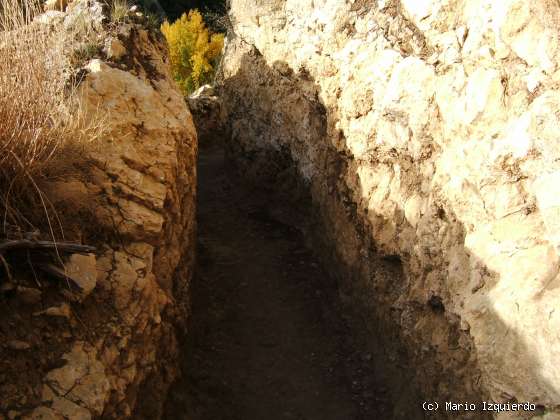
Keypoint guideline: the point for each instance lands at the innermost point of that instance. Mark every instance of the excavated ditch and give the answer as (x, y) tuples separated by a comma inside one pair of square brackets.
[(268, 336)]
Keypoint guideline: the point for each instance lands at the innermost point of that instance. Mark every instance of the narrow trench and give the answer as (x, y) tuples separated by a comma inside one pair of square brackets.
[(266, 339)]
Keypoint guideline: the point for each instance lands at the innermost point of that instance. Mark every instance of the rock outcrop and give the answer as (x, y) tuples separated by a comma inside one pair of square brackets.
[(134, 199), (426, 132), (207, 114)]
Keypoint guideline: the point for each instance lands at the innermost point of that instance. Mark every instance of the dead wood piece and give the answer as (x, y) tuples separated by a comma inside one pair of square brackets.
[(61, 274), (67, 247)]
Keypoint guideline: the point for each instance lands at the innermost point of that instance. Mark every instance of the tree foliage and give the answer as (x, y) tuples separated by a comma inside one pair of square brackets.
[(194, 51)]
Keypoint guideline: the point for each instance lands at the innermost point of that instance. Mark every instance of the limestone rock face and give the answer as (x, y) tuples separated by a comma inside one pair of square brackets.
[(134, 199), (207, 114), (426, 130)]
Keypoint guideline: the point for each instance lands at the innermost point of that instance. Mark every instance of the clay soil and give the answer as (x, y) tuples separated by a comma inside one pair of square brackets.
[(266, 339)]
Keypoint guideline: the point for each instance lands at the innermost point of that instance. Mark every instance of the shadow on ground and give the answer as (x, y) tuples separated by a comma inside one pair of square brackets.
[(266, 338)]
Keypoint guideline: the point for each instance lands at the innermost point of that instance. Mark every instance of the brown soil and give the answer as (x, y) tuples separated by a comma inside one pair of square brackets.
[(32, 343), (266, 339)]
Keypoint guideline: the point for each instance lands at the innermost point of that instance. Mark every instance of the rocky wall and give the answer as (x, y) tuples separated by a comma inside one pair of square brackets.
[(112, 351), (426, 133)]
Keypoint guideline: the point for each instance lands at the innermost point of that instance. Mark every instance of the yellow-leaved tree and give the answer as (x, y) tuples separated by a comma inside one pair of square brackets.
[(194, 51)]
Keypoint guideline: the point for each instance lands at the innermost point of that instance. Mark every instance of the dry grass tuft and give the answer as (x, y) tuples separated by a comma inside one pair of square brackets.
[(40, 124), (16, 14), (119, 10)]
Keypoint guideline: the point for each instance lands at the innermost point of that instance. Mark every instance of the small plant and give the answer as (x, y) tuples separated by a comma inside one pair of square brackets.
[(194, 51), (81, 27), (119, 10), (153, 21), (85, 52)]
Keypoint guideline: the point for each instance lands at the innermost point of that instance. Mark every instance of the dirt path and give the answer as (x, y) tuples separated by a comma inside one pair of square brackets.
[(266, 339)]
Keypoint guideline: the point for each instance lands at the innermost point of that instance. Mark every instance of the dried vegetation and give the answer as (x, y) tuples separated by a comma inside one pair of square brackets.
[(42, 129)]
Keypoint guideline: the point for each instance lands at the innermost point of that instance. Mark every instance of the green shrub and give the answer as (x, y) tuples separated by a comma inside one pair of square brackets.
[(153, 21)]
